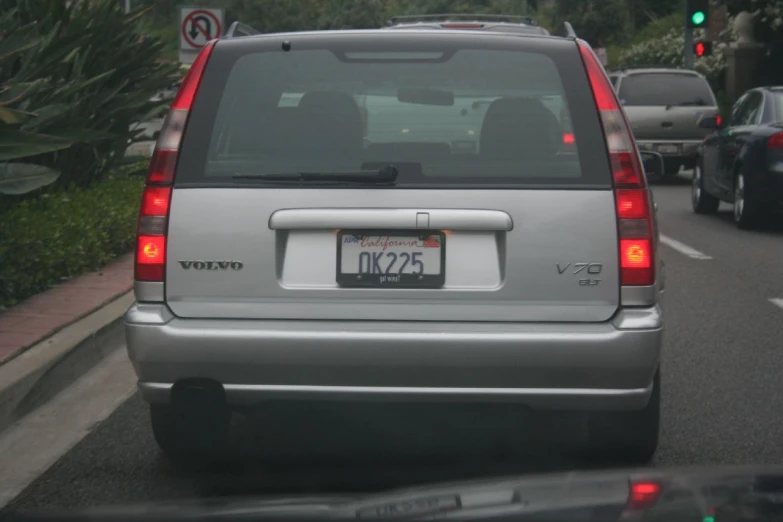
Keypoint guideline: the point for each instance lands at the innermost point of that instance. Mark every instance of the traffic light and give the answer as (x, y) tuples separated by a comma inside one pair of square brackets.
[(698, 13), (702, 48)]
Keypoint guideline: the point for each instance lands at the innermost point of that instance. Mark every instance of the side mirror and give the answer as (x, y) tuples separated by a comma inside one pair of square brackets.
[(710, 122), (652, 162)]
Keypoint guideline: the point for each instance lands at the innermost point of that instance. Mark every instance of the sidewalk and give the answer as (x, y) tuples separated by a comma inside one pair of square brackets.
[(40, 316)]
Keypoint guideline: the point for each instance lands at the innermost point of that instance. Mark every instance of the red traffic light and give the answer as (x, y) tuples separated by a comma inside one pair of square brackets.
[(702, 49)]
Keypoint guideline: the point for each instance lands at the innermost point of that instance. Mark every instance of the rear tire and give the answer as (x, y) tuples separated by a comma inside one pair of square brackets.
[(747, 213), (185, 433), (630, 437), (703, 202)]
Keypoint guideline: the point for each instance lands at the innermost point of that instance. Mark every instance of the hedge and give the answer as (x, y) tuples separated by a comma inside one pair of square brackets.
[(61, 235)]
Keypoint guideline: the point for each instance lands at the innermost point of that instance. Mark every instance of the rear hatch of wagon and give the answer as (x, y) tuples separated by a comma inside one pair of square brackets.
[(502, 209)]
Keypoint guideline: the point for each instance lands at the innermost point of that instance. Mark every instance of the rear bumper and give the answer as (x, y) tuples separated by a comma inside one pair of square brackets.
[(688, 149), (566, 366)]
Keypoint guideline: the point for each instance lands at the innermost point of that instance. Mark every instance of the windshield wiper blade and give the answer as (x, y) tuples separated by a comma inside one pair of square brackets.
[(386, 174)]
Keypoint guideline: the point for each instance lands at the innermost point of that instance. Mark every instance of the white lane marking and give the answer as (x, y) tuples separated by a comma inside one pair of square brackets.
[(682, 248), (778, 301), (35, 442)]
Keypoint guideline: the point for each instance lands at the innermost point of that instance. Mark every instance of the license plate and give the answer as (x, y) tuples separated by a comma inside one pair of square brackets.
[(668, 149), (391, 260), (413, 507)]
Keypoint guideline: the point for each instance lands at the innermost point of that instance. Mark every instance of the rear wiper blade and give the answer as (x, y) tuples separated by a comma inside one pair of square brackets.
[(386, 174), (698, 102)]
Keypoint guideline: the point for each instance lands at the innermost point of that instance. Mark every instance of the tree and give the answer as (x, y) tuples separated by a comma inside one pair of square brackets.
[(352, 14), (600, 22), (643, 12)]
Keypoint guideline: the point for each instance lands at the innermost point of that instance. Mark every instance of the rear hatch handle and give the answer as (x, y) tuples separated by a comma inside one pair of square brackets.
[(390, 219)]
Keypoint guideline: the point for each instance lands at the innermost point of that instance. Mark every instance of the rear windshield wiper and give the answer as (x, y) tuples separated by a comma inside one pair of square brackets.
[(386, 174), (698, 102)]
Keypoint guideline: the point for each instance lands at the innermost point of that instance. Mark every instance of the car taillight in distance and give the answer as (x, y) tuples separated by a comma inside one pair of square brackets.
[(150, 261), (635, 227), (643, 495)]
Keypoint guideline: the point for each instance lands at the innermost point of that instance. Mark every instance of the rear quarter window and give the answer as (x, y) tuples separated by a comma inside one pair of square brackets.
[(445, 111)]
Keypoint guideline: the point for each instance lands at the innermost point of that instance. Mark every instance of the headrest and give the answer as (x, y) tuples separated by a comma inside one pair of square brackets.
[(519, 129), (334, 121)]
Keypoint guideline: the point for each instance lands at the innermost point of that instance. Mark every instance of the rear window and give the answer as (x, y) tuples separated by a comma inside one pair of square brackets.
[(441, 116), (665, 89)]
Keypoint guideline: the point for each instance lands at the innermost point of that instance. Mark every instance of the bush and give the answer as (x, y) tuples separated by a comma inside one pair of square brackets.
[(668, 52), (72, 81), (61, 235)]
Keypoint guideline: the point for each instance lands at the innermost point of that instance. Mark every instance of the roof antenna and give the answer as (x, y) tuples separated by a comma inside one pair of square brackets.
[(570, 30)]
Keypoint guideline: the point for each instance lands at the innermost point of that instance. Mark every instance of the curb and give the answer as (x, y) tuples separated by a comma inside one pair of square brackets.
[(33, 377)]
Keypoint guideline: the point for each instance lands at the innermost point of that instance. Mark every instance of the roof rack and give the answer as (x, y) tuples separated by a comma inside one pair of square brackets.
[(462, 16), (570, 33), (238, 30)]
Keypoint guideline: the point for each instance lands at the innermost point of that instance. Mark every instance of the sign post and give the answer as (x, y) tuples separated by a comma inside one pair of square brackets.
[(197, 26), (600, 52)]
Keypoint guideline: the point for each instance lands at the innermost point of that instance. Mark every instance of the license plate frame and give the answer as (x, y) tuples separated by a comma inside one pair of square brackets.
[(410, 281), (668, 148)]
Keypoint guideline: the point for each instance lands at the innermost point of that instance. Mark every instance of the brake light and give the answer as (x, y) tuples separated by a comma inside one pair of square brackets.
[(775, 142), (568, 138), (635, 226), (631, 204), (156, 199), (462, 26), (718, 120), (644, 494)]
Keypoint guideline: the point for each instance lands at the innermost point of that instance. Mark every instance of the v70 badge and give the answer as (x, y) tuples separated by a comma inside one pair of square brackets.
[(584, 269)]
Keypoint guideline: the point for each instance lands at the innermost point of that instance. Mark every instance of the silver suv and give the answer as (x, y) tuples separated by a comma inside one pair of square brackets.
[(664, 107), (404, 215)]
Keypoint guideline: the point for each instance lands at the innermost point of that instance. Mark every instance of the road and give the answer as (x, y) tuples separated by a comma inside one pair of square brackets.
[(722, 400)]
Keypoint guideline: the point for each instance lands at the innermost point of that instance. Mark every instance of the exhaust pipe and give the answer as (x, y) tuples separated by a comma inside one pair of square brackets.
[(198, 394)]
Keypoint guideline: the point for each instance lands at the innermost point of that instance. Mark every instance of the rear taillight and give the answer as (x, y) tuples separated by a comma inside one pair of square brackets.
[(635, 227), (643, 495), (156, 199), (775, 141)]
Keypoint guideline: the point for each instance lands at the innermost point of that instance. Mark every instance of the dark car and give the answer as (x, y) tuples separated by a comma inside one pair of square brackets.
[(483, 22), (741, 162)]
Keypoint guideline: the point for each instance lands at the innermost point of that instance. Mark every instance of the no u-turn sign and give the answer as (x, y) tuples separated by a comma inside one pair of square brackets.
[(197, 26)]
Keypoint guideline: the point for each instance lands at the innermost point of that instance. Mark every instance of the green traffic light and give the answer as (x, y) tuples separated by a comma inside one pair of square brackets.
[(698, 18)]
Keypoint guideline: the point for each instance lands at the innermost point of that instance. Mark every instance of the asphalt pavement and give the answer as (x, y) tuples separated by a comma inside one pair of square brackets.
[(722, 398)]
